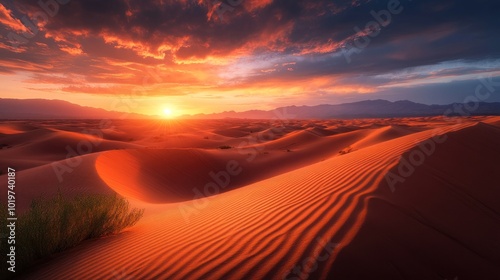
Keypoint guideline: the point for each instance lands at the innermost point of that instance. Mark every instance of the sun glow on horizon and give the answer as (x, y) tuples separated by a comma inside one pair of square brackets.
[(167, 113)]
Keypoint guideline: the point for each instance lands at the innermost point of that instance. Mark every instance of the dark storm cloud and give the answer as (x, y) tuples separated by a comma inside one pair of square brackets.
[(424, 33), (468, 27), (316, 33)]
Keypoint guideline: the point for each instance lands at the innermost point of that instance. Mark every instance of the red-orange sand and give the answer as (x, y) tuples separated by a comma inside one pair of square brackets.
[(289, 205)]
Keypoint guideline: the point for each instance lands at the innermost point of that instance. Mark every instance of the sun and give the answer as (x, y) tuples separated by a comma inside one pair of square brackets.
[(167, 113)]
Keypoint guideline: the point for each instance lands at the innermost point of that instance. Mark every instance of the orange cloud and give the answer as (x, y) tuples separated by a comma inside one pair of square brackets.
[(8, 20), (73, 51), (95, 89), (252, 5)]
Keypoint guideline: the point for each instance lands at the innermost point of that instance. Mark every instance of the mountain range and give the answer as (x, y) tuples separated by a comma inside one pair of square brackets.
[(58, 109), (363, 109), (14, 109)]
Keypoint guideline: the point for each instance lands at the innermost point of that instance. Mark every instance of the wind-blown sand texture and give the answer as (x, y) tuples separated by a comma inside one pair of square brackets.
[(311, 199)]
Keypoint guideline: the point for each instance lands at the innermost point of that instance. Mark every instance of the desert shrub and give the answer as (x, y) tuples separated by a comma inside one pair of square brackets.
[(54, 224), (225, 147)]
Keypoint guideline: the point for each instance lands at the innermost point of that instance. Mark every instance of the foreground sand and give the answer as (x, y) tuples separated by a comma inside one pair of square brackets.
[(296, 209)]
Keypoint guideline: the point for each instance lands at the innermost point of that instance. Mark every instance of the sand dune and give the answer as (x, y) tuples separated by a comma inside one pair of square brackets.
[(165, 175), (80, 178), (162, 176), (334, 216), (45, 145), (15, 128), (383, 134), (435, 224), (39, 147)]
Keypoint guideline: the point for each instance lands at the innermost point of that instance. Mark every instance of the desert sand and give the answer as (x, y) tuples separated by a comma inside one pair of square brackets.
[(414, 198)]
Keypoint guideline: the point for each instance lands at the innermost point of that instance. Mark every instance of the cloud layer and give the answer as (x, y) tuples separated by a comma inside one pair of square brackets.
[(277, 50)]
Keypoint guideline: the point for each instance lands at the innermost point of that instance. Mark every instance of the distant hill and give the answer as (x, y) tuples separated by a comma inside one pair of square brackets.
[(58, 109), (55, 109), (363, 109)]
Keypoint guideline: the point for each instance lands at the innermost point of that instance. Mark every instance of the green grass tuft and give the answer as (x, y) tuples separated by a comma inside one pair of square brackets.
[(54, 224)]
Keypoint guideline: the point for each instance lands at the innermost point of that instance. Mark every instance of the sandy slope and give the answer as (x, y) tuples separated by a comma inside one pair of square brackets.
[(169, 175), (40, 146), (38, 151), (15, 128), (81, 177), (442, 222), (339, 212)]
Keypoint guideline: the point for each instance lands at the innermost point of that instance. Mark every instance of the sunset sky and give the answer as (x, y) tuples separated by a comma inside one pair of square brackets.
[(209, 56)]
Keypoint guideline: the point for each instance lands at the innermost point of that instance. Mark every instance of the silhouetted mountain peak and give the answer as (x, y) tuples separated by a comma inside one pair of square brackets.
[(361, 109), (55, 109)]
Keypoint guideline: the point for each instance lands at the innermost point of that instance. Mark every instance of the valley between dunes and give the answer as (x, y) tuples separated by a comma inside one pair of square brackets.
[(414, 198)]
